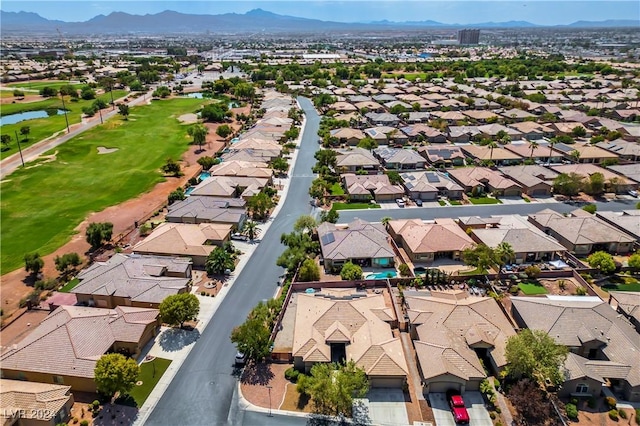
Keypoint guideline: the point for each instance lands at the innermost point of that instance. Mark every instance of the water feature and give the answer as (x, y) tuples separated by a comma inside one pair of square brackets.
[(29, 115), (196, 95), (189, 190), (234, 140), (381, 275), (233, 104)]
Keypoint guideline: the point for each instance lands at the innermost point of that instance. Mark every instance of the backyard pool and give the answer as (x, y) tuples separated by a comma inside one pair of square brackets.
[(189, 190), (381, 275), (204, 175)]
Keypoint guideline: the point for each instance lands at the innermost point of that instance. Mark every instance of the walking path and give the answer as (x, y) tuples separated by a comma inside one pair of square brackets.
[(177, 344), (502, 403)]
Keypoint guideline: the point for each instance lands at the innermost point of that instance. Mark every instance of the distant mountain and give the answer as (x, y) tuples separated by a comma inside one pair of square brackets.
[(254, 21), (610, 23)]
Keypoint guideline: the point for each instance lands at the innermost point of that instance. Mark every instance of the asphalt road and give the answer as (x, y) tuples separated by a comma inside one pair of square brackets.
[(11, 163), (426, 213), (202, 392)]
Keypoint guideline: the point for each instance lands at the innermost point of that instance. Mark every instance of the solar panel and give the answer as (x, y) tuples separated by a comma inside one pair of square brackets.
[(409, 177), (432, 177), (562, 147), (328, 238)]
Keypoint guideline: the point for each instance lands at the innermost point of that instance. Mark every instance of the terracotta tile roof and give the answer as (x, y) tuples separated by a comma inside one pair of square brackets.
[(356, 242), (40, 401), (184, 239), (441, 236), (78, 336)]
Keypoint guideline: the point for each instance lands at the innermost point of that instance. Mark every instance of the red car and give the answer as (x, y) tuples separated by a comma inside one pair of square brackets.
[(460, 414)]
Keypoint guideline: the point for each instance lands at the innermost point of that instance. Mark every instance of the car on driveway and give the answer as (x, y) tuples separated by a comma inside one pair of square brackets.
[(241, 359), (400, 202), (458, 409), (418, 202)]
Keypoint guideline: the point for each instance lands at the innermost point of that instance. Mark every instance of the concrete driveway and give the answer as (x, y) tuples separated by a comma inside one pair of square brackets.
[(478, 414), (382, 406)]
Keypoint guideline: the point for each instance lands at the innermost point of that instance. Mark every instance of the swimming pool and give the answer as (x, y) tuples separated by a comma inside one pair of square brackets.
[(204, 175), (189, 190), (381, 275)]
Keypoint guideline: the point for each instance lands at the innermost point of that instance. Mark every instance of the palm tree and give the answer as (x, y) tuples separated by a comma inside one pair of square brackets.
[(575, 155), (385, 221), (491, 146), (504, 254), (251, 230), (552, 142), (533, 145)]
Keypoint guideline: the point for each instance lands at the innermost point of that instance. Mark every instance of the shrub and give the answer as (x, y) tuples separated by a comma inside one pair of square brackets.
[(532, 271), (84, 423), (622, 414), (613, 415), (638, 416), (574, 401), (492, 414), (590, 208), (611, 402), (404, 270), (562, 284), (581, 291), (96, 404), (514, 289), (291, 374), (496, 383), (75, 420), (572, 411)]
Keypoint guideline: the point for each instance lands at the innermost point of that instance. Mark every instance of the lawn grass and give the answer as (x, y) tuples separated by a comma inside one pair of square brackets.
[(37, 85), (484, 200), (476, 271), (42, 205), (354, 206), (442, 203), (455, 203), (336, 189), (532, 288), (621, 284), (42, 128), (69, 286), (150, 374)]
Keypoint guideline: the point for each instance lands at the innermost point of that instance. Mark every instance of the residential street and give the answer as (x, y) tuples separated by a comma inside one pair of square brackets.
[(375, 215), (202, 393)]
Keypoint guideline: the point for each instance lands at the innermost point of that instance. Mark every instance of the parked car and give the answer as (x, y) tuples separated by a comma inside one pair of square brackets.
[(418, 202), (633, 193), (400, 202), (239, 237), (241, 359), (456, 403)]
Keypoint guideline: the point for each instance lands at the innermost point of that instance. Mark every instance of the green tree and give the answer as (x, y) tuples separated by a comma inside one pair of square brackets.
[(350, 272), (218, 261), (215, 113), (252, 338), (309, 271), (259, 205), (332, 387), (533, 145), (251, 230), (602, 261), (33, 263), (207, 162), (394, 177), (87, 93), (481, 256), (634, 261), (24, 131), (535, 355), (567, 184), (179, 308), (199, 134), (115, 373), (177, 195), (368, 143), (330, 216), (504, 254), (280, 165), (385, 220), (578, 132), (48, 92), (161, 92), (326, 158), (98, 233), (172, 167), (224, 131), (123, 110), (5, 140), (67, 263), (244, 91), (305, 223), (595, 185), (404, 269)]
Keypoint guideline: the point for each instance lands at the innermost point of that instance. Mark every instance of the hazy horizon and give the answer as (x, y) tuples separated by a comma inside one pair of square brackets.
[(539, 12)]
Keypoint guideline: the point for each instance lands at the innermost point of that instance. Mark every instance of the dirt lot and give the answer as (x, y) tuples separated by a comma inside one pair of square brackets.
[(255, 380)]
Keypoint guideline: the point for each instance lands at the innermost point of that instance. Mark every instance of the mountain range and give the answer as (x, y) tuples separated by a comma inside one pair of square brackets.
[(254, 21)]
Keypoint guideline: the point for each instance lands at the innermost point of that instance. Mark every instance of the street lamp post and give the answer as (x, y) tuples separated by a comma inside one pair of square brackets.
[(19, 148), (269, 388), (64, 108)]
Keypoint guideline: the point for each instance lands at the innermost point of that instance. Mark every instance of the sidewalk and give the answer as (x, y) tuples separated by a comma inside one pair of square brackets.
[(178, 346)]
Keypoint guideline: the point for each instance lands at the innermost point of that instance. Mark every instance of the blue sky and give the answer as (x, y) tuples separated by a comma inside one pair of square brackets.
[(542, 12)]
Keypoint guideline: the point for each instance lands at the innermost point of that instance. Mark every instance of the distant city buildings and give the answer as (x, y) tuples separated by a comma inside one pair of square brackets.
[(468, 36)]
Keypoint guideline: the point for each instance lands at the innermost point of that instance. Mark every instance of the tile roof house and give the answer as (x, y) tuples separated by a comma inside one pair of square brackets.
[(531, 130), (442, 156), (399, 158), (498, 155), (627, 221), (382, 119), (448, 329), (630, 171), (354, 159), (542, 153), (582, 233), (536, 181), (348, 136), (363, 243), (337, 324), (242, 168), (230, 187), (588, 153), (529, 244), (487, 180), (430, 185), (623, 149), (199, 209), (36, 404), (133, 280), (586, 170), (195, 241), (462, 134), (75, 337), (604, 341), (364, 187), (628, 304), (425, 242), (417, 132)]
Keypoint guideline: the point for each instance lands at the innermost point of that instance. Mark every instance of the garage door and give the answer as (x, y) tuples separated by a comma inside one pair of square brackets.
[(386, 382), (438, 387), (539, 192), (511, 193)]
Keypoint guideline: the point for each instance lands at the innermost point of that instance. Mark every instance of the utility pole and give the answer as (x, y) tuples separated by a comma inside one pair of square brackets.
[(64, 108), (269, 387), (19, 148), (100, 112), (113, 104)]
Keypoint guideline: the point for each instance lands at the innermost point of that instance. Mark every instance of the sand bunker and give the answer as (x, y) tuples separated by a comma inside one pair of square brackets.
[(103, 150), (188, 118)]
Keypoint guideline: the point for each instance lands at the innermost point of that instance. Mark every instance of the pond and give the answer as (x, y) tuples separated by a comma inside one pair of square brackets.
[(29, 115)]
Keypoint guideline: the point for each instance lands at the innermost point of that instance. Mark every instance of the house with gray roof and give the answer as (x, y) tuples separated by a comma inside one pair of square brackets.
[(631, 171), (624, 149), (581, 232), (367, 187), (133, 280), (443, 156), (627, 221), (603, 340), (200, 209), (399, 158), (429, 185), (65, 346), (536, 181), (628, 304), (363, 243), (353, 159), (382, 119), (449, 330)]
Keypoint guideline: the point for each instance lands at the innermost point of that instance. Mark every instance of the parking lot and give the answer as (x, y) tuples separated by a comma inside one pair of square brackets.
[(478, 414)]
